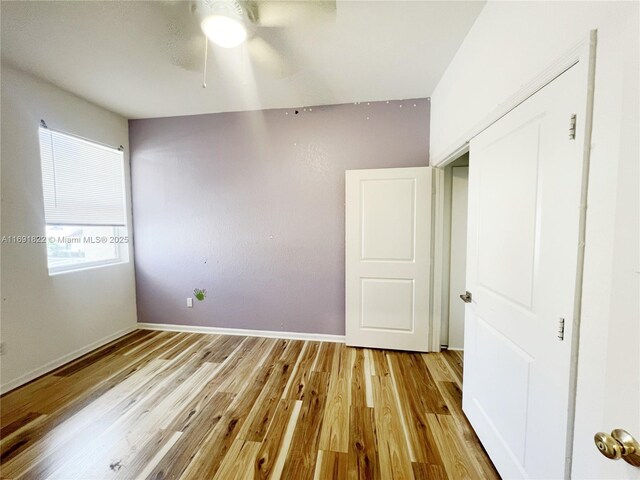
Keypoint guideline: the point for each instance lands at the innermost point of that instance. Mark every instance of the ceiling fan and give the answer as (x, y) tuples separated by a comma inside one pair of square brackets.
[(259, 24)]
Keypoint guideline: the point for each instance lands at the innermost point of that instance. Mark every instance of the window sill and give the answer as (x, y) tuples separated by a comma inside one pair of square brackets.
[(85, 266)]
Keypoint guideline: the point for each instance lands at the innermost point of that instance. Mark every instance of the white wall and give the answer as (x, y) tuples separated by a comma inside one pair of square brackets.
[(47, 320), (510, 43)]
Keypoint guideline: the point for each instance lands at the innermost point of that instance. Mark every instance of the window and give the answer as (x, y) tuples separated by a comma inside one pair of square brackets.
[(84, 202)]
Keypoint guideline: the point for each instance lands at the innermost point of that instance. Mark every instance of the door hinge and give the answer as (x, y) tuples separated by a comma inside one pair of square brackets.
[(561, 329), (572, 127)]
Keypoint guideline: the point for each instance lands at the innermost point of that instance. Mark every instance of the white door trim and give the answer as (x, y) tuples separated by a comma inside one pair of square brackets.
[(439, 269), (589, 57), (578, 53), (583, 52)]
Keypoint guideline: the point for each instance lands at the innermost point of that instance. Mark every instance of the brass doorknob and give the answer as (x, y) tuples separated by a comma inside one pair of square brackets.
[(620, 444)]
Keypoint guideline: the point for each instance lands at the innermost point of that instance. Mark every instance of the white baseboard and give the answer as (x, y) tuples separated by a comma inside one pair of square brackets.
[(455, 349), (58, 362), (322, 337)]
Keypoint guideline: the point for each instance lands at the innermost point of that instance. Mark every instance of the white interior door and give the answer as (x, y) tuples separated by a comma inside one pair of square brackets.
[(458, 262), (608, 389), (524, 198), (388, 232)]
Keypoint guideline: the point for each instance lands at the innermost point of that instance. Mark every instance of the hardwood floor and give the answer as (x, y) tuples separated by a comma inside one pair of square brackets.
[(164, 405)]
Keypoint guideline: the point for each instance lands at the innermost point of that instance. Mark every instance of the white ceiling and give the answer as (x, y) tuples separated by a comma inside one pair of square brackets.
[(122, 54)]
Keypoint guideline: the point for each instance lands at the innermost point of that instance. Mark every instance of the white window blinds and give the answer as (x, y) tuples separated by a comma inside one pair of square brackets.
[(82, 182)]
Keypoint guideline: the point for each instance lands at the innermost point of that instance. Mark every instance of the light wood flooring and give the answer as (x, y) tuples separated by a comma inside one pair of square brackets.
[(192, 406)]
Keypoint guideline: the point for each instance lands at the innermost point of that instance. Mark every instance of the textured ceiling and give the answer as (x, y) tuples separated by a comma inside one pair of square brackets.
[(144, 58)]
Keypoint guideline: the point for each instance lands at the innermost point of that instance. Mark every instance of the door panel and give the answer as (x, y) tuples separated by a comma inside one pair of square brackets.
[(388, 231), (524, 198), (505, 398), (382, 298), (505, 262), (388, 218)]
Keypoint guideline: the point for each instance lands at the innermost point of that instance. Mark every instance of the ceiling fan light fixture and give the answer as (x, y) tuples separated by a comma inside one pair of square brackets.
[(224, 31)]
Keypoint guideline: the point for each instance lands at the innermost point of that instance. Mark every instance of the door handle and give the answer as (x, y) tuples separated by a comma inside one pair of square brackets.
[(466, 298), (620, 444)]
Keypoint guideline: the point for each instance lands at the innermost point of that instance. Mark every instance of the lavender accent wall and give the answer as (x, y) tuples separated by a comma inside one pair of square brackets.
[(250, 206)]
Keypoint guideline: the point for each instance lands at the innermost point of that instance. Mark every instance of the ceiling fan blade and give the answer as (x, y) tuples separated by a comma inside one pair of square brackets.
[(287, 13), (185, 44), (188, 53), (269, 58)]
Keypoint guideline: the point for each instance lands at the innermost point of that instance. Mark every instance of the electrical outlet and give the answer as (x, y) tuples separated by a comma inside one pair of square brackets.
[(189, 302)]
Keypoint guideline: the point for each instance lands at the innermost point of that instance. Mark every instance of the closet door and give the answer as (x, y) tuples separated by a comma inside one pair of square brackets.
[(525, 177)]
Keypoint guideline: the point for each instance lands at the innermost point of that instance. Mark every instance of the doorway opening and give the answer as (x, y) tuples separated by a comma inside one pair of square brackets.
[(456, 188)]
